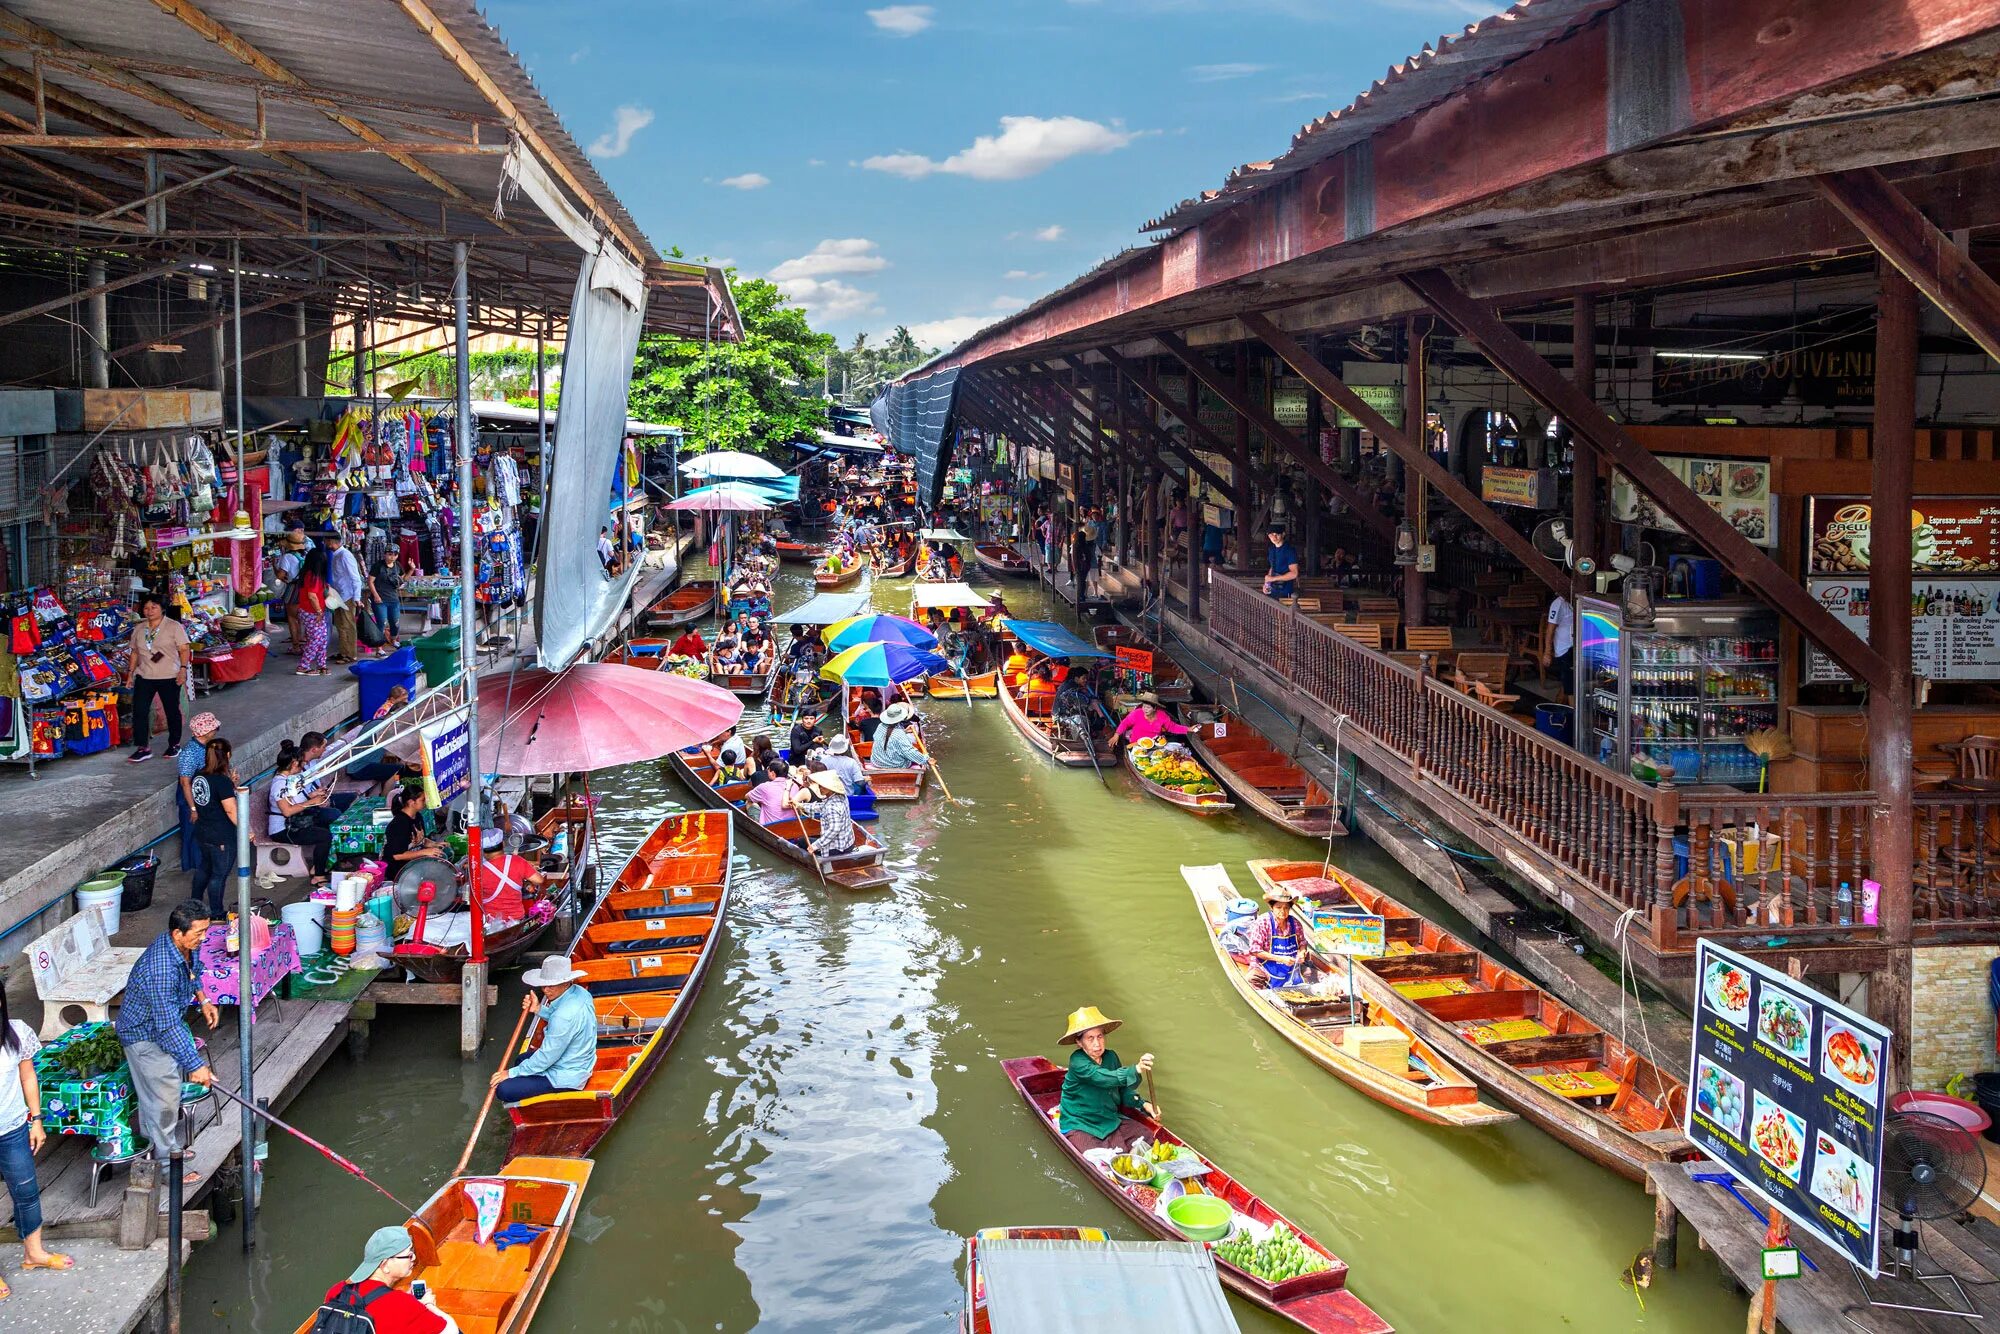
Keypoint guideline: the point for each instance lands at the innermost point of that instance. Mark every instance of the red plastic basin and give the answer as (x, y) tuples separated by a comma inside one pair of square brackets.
[(1955, 1110)]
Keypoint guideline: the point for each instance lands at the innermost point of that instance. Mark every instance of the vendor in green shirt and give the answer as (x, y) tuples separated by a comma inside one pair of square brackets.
[(1098, 1091)]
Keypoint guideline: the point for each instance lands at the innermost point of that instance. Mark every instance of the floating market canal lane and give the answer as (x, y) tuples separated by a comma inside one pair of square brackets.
[(834, 1117)]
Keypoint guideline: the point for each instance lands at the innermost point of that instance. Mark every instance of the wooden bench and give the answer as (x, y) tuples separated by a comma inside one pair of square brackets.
[(78, 973)]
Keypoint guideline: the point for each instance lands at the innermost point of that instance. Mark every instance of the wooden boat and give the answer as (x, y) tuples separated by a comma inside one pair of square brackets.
[(484, 1289), (574, 874), (801, 551), (1001, 558), (1044, 734), (745, 685), (897, 784), (644, 951), (684, 605), (1319, 1301), (1168, 681), (849, 571), (1194, 803), (860, 868), (974, 1319), (1541, 1058), (983, 685), (888, 567), (1265, 780), (1360, 1044)]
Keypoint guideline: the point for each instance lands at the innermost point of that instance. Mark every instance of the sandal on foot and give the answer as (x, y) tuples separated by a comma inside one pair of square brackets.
[(57, 1260)]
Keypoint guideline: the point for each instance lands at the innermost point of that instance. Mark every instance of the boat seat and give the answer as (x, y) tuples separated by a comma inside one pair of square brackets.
[(625, 986), (650, 934), (476, 1312), (702, 908)]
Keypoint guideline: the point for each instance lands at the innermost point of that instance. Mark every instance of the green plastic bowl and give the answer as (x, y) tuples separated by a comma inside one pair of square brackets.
[(1200, 1217)]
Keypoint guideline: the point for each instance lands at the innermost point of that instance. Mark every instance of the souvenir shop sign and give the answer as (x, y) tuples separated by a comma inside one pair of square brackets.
[(1823, 373), (1787, 1090), (1737, 489), (1948, 534), (1530, 488), (1954, 626), (448, 755)]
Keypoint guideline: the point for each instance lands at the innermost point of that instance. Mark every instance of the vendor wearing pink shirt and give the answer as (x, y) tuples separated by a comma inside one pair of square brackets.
[(767, 799), (1146, 722)]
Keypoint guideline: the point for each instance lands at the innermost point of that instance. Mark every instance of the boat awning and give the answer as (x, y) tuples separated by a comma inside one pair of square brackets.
[(825, 609), (1085, 1287), (826, 442), (943, 535), (941, 597), (1052, 640)]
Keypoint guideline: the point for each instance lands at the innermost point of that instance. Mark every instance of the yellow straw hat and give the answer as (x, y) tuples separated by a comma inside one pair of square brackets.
[(1088, 1017)]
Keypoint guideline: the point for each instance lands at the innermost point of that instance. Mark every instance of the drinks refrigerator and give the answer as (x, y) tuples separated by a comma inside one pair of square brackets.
[(1682, 693)]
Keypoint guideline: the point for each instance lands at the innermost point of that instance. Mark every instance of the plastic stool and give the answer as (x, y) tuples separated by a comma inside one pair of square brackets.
[(102, 1163), (286, 861)]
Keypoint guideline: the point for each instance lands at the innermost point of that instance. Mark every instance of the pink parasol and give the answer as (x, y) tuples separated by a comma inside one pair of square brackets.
[(593, 716), (723, 498)]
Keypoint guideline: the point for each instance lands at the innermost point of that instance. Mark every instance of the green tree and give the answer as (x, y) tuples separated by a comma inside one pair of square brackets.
[(758, 394), (902, 349)]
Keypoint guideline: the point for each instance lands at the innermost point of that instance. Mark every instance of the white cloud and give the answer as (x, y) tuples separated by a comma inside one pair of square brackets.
[(1052, 232), (578, 54), (815, 162), (749, 180), (855, 254), (1007, 303), (948, 333), (1022, 275), (1026, 146), (1303, 97), (830, 299), (902, 20), (626, 122), (1234, 69)]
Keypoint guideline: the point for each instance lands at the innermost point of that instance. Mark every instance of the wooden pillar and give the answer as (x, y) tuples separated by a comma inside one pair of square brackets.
[(1583, 470), (1248, 553), (1890, 705), (1307, 520), (1416, 498), (472, 1007)]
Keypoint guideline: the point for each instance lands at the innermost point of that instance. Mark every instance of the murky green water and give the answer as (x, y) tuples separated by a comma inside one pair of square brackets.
[(833, 1119)]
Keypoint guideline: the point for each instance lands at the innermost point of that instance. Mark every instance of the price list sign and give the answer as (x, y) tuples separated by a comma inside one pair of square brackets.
[(1787, 1091)]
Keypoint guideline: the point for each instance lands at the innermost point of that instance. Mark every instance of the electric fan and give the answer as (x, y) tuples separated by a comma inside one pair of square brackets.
[(1931, 1168)]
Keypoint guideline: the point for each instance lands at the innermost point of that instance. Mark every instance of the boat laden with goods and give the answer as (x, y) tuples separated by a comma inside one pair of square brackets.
[(684, 605), (1061, 1280), (1003, 559), (1359, 1044), (1264, 779), (1532, 1052), (859, 868), (644, 950), (1165, 769), (489, 1275), (1262, 1256)]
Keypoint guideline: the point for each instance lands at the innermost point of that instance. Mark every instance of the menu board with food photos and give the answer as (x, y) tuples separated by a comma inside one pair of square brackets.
[(1737, 489), (1948, 535), (1787, 1093)]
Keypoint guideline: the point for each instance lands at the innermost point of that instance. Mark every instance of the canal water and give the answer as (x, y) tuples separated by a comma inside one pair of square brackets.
[(833, 1120)]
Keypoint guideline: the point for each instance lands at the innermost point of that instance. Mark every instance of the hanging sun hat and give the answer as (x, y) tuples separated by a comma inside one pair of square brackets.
[(1089, 1017), (204, 725), (899, 712), (554, 969), (384, 1243), (840, 745)]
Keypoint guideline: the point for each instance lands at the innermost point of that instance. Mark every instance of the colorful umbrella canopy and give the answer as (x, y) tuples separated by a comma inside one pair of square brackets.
[(592, 716), (724, 498), (883, 665), (880, 628), (731, 463)]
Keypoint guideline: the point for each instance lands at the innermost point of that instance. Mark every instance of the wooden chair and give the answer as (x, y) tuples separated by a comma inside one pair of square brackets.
[(1432, 639), (1488, 667), (1979, 757), (1365, 633), (1414, 661), (1308, 605), (1521, 595), (1368, 604)]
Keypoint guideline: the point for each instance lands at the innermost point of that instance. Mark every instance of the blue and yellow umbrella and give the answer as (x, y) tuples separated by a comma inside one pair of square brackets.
[(882, 665), (877, 628)]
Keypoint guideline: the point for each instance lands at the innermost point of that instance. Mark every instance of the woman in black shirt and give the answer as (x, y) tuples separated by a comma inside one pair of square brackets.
[(214, 793), (407, 839)]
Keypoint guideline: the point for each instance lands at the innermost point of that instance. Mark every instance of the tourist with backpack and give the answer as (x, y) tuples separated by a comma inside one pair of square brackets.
[(372, 1300)]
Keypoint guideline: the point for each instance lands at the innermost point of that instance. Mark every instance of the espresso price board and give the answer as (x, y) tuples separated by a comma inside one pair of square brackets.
[(1787, 1091)]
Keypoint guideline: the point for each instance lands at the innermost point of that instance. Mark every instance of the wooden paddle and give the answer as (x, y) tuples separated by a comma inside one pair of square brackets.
[(484, 1107), (936, 772)]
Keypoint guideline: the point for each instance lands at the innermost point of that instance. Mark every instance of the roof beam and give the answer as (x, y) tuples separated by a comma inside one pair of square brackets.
[(1921, 253), (1142, 379), (95, 143), (1579, 411), (1315, 373), (100, 289)]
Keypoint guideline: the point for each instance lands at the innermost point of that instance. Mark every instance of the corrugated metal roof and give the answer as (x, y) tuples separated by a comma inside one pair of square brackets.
[(1426, 78)]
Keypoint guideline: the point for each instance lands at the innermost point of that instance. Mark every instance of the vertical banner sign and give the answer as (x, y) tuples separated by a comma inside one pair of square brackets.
[(1788, 1095), (448, 754)]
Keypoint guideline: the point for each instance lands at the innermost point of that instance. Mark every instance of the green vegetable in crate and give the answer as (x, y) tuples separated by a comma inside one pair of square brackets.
[(97, 1053)]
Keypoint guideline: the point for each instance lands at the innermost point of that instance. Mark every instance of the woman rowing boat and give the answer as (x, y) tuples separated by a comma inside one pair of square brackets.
[(1277, 941), (1098, 1090)]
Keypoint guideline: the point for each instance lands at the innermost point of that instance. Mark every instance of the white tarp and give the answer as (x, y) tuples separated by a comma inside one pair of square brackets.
[(613, 270), (1102, 1287), (824, 609), (930, 596)]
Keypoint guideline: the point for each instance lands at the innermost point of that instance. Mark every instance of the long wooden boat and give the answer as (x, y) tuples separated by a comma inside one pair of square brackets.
[(1003, 559), (644, 951), (801, 551), (484, 1289), (983, 685), (897, 784), (849, 571), (1537, 1055), (1264, 779), (1044, 735), (745, 685), (506, 945), (888, 567), (1319, 1301), (859, 868), (1360, 1044), (1169, 682), (684, 605), (1194, 803)]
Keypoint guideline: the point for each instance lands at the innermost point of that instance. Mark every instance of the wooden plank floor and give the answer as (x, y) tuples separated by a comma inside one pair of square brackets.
[(291, 1043)]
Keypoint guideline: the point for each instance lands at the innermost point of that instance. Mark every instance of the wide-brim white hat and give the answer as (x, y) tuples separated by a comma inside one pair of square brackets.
[(555, 969)]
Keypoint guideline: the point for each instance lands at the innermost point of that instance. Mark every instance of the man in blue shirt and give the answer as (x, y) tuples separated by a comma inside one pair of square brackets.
[(1282, 565), (568, 1050), (152, 1025)]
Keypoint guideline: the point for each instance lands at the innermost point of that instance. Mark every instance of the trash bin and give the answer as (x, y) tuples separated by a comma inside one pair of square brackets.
[(1555, 720), (438, 654), (137, 892), (378, 676)]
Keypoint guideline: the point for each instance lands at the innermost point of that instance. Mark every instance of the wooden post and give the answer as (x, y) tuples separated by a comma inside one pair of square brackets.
[(1415, 493), (139, 1212), (472, 1007), (1246, 521), (1890, 703), (1583, 464), (1666, 1230)]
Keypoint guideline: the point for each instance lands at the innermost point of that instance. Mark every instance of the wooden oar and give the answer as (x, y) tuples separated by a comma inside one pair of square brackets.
[(487, 1106), (936, 772)]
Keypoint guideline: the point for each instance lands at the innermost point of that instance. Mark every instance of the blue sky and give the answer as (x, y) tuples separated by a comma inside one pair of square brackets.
[(939, 164)]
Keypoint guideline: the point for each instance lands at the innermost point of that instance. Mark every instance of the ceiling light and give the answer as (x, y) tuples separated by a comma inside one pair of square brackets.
[(1709, 356)]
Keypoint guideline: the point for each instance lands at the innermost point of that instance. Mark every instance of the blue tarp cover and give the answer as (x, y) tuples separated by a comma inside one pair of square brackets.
[(916, 415), (1102, 1287), (1051, 640)]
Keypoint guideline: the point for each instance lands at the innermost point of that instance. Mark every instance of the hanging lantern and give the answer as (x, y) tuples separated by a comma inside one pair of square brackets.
[(1638, 599), (1406, 543)]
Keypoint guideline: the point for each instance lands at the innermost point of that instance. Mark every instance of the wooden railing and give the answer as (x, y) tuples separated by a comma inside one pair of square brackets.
[(1690, 863)]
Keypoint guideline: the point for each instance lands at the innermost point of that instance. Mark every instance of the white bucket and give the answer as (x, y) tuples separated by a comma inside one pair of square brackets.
[(347, 892), (104, 902), (308, 923)]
